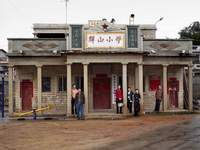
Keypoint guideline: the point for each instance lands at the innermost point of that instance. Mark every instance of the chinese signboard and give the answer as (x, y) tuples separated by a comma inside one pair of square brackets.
[(105, 40), (114, 86)]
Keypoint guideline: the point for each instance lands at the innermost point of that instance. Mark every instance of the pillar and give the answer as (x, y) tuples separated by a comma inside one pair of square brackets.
[(136, 78), (165, 87), (140, 86), (18, 100), (190, 88), (124, 86), (85, 78), (180, 93), (39, 86), (10, 79), (69, 87)]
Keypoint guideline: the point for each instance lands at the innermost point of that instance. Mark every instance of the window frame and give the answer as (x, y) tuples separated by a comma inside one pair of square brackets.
[(43, 87), (138, 37), (64, 83)]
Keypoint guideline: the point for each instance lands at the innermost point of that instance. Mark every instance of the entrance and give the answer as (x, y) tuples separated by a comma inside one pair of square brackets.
[(173, 88), (26, 94), (101, 92)]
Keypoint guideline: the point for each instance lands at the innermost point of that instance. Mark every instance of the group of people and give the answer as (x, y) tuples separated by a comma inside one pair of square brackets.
[(132, 97), (78, 101)]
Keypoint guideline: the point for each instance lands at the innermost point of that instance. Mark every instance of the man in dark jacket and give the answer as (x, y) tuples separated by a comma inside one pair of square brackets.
[(80, 101), (158, 95), (129, 99), (137, 98)]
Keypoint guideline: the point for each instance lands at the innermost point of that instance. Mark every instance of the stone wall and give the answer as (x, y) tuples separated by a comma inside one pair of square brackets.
[(149, 96), (57, 99), (53, 97)]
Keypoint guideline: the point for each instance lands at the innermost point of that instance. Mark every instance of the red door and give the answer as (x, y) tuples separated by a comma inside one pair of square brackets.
[(173, 88), (101, 93), (26, 94)]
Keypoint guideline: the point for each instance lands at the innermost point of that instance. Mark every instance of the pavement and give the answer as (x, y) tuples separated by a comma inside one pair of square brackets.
[(182, 136)]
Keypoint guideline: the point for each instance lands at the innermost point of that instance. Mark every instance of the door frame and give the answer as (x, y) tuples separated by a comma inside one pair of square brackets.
[(25, 81), (101, 76)]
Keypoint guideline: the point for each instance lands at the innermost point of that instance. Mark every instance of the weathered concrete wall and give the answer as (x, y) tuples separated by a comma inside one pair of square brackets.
[(57, 99), (149, 96), (172, 45), (36, 45), (53, 97)]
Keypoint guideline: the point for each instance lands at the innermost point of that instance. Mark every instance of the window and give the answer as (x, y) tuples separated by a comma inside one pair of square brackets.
[(154, 82), (46, 84), (132, 37), (76, 36), (62, 83)]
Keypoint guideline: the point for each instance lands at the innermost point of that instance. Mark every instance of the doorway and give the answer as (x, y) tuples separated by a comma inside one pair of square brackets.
[(102, 92), (26, 94), (173, 88)]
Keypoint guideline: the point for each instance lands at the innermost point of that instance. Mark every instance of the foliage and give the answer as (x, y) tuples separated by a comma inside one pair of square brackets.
[(191, 32)]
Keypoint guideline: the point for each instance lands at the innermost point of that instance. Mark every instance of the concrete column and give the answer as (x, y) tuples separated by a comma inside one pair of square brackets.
[(140, 86), (136, 78), (190, 88), (18, 101), (39, 86), (85, 78), (165, 87), (69, 87), (180, 93), (10, 79), (124, 86)]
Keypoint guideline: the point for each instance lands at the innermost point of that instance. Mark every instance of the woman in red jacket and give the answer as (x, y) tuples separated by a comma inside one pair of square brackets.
[(119, 99)]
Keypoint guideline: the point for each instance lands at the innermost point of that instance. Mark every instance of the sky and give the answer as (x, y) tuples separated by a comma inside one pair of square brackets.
[(17, 16)]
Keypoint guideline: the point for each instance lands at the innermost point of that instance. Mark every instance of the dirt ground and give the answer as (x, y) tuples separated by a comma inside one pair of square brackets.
[(78, 135)]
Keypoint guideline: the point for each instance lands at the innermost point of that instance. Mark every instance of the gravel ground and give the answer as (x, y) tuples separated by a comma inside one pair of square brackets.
[(87, 134)]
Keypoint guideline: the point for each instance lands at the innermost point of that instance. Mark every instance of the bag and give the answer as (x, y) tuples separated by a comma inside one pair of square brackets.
[(120, 104)]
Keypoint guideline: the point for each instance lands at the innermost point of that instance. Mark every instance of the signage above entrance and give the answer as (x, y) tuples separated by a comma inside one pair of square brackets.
[(105, 40)]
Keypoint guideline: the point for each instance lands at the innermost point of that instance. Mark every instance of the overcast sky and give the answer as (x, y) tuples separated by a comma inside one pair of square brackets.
[(17, 16)]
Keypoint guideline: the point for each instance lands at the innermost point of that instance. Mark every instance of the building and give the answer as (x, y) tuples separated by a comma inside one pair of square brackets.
[(196, 77), (97, 57), (3, 78)]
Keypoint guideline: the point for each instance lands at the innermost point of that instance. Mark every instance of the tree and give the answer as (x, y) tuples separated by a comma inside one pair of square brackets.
[(191, 32)]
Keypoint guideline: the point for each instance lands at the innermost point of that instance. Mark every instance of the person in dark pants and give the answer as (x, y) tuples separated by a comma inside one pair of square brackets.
[(137, 98), (159, 96), (74, 92), (129, 99), (80, 101), (119, 99)]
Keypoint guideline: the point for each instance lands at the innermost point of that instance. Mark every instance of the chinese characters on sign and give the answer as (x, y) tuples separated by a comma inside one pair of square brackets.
[(114, 86), (105, 40)]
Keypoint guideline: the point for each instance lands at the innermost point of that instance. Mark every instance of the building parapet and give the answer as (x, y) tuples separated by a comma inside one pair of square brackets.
[(178, 46), (35, 44)]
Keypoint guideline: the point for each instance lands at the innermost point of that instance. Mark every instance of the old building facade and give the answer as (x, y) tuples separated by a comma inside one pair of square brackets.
[(97, 57)]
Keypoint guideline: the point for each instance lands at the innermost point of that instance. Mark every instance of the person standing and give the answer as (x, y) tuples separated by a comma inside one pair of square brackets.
[(129, 99), (74, 92), (80, 101), (119, 99), (159, 96), (137, 98)]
